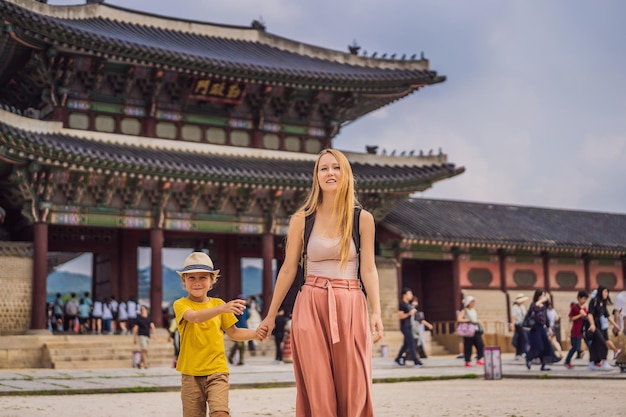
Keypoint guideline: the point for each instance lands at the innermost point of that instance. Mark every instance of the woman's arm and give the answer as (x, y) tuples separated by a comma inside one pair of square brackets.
[(369, 273), (286, 275)]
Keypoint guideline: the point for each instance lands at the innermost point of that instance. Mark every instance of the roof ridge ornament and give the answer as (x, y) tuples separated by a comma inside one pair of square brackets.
[(354, 48), (258, 24)]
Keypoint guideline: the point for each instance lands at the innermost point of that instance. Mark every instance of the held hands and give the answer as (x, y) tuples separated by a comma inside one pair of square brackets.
[(264, 331)]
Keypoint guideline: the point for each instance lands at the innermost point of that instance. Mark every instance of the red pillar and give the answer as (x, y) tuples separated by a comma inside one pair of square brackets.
[(456, 278), (127, 254), (267, 250), (156, 276), (503, 286), (546, 271), (40, 276), (586, 263)]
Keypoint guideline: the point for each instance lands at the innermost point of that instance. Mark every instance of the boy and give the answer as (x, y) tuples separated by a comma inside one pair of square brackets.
[(201, 321)]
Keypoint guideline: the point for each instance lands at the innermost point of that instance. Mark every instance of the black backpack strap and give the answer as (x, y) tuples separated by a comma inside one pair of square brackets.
[(309, 221), (356, 236)]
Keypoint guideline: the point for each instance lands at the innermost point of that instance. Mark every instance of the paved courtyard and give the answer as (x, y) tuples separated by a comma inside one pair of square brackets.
[(458, 397)]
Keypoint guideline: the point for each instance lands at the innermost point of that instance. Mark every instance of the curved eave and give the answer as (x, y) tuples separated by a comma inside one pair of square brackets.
[(50, 145), (253, 60), (511, 246)]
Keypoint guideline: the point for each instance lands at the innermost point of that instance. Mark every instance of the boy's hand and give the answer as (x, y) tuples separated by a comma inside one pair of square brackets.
[(236, 306), (264, 330)]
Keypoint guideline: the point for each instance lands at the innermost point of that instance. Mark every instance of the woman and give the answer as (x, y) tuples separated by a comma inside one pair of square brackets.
[(518, 311), (599, 319), (470, 315), (331, 335), (538, 337)]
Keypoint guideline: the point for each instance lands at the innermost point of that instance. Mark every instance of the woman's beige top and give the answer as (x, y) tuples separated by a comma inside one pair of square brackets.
[(323, 258)]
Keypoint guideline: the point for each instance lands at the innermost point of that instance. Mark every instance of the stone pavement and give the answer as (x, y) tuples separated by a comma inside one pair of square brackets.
[(263, 372)]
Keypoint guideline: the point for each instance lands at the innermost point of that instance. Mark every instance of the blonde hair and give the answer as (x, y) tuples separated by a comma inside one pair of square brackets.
[(344, 204)]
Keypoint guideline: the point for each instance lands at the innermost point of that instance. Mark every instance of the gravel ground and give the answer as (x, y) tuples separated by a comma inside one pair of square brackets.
[(454, 398)]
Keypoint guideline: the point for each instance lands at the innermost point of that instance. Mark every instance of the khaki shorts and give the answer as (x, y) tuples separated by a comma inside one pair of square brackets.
[(197, 391), (144, 342)]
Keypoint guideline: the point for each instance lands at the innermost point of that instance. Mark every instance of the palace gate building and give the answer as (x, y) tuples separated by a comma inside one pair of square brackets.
[(120, 129)]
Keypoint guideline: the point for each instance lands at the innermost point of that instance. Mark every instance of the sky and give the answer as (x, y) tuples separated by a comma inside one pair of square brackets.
[(534, 105)]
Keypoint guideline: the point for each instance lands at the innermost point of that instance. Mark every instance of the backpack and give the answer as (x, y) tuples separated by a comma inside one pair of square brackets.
[(301, 275)]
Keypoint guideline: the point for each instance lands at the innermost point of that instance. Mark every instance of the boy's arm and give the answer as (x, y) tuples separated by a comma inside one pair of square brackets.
[(241, 335), (235, 306)]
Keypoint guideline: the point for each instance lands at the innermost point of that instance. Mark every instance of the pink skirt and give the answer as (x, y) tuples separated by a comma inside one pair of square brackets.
[(332, 349)]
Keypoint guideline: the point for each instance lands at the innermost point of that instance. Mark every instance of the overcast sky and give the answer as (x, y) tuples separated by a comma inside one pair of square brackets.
[(534, 106)]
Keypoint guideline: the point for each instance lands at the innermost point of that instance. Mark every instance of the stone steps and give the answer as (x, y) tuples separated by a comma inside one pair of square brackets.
[(92, 352)]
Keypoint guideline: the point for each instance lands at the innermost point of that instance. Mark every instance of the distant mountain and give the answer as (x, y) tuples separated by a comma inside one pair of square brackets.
[(251, 281), (172, 287), (66, 282)]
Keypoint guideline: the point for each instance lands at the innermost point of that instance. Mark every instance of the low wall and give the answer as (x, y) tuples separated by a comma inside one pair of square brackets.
[(16, 281)]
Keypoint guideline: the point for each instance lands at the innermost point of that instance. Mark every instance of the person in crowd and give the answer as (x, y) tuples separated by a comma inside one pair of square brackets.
[(331, 333), (577, 313), (518, 312), (406, 311), (418, 328), (122, 317), (538, 336), (71, 313), (174, 337), (279, 333), (599, 320), (114, 306), (58, 309), (619, 312), (133, 309), (254, 319), (96, 317), (469, 315), (87, 298), (554, 324), (143, 329), (107, 316), (84, 316), (238, 349), (201, 321)]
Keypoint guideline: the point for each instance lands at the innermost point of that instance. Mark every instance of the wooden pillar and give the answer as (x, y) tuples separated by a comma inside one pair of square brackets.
[(503, 286), (624, 272), (234, 268), (127, 272), (40, 276), (267, 250), (545, 257), (156, 276), (257, 138), (456, 278), (586, 263)]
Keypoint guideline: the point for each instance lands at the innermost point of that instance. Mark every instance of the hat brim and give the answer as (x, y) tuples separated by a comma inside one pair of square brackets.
[(518, 300), (189, 271)]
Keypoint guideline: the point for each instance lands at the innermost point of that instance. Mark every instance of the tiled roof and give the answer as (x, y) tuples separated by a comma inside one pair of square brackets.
[(468, 223), (166, 159), (246, 57)]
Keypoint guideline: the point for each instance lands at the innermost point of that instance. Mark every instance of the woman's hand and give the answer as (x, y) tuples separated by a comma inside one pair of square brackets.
[(376, 325), (264, 331)]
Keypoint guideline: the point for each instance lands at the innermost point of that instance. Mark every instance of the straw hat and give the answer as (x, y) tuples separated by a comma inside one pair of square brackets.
[(198, 262), (520, 298)]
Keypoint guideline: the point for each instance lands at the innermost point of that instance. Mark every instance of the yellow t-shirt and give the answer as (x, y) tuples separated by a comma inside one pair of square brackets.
[(202, 344)]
